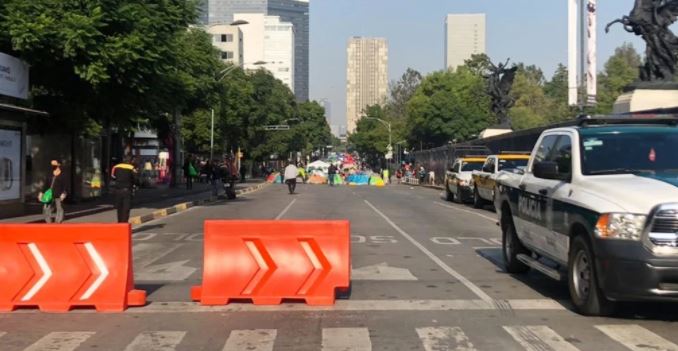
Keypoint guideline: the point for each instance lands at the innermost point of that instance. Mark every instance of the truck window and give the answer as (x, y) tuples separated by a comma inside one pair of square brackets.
[(472, 166), (546, 148), (562, 155)]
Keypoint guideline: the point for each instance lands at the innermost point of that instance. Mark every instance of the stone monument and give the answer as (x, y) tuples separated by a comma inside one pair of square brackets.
[(499, 84), (657, 88)]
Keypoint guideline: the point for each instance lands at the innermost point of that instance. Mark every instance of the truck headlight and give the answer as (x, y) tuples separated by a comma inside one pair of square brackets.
[(463, 183), (624, 226)]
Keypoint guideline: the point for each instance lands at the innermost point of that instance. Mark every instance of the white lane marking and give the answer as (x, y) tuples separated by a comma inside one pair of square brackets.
[(147, 253), (340, 306), (637, 338), (156, 341), (278, 217), (465, 210), (474, 288), (444, 339), (60, 341), (539, 338), (101, 266), (382, 271), (171, 271), (346, 339), (251, 340), (46, 272)]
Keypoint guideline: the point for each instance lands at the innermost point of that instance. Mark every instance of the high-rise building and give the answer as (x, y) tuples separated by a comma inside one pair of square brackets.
[(229, 40), (464, 37), (366, 76), (269, 40), (292, 11)]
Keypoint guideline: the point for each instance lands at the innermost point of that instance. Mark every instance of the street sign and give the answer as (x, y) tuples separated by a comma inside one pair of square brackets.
[(389, 155), (277, 127)]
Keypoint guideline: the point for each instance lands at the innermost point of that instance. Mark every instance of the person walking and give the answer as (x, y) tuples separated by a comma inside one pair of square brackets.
[(124, 176), (291, 173), (53, 194), (189, 172), (214, 176), (331, 174)]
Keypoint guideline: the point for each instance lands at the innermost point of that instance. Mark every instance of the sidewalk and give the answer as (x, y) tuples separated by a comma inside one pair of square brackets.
[(145, 202)]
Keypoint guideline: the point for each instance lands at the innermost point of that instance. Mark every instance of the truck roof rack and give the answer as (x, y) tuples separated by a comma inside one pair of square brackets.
[(644, 117), (515, 152)]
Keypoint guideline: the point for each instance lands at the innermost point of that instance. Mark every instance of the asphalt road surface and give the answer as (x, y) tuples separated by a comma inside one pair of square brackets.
[(427, 275)]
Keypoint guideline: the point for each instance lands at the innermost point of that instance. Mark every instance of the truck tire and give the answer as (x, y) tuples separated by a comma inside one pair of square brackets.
[(512, 247), (477, 200), (586, 295)]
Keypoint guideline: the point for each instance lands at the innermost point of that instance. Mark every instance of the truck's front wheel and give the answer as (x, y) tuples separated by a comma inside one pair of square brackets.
[(587, 297), (477, 200), (512, 247), (449, 196)]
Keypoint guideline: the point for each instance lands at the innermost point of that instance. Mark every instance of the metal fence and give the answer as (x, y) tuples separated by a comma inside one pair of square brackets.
[(440, 159)]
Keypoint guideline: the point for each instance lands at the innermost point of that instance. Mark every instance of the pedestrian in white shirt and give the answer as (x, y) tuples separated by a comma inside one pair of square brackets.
[(291, 173)]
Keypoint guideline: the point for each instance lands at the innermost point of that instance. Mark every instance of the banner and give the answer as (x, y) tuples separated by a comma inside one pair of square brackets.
[(10, 164), (591, 53), (13, 77), (572, 11)]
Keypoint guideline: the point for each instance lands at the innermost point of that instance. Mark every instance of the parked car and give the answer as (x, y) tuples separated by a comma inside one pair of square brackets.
[(598, 206), (484, 179), (458, 179)]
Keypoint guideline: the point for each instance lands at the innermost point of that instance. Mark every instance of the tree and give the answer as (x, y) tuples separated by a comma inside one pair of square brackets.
[(90, 59), (532, 106), (371, 137), (448, 106), (401, 92), (621, 69)]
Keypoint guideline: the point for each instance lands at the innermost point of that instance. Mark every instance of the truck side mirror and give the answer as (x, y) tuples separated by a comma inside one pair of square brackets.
[(546, 170)]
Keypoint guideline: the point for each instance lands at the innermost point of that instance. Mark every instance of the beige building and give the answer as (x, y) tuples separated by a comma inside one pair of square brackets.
[(464, 36), (366, 76), (229, 40)]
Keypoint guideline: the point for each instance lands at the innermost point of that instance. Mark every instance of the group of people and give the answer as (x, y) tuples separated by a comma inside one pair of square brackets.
[(125, 176), (409, 170), (293, 171), (213, 172)]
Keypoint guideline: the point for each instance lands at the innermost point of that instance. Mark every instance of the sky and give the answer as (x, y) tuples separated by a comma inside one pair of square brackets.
[(529, 31)]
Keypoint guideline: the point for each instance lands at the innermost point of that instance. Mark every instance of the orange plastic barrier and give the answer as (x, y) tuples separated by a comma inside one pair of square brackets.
[(267, 261), (60, 266)]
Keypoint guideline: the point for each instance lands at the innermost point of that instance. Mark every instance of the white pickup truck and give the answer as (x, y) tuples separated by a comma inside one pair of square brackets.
[(598, 206)]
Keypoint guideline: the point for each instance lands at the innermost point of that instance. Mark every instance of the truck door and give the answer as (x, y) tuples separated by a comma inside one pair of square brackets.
[(537, 202)]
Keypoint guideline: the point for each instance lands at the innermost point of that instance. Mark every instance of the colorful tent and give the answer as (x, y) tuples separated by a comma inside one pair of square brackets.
[(317, 179)]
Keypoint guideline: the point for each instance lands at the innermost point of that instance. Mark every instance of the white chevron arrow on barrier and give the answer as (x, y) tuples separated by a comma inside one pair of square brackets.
[(103, 271), (46, 272)]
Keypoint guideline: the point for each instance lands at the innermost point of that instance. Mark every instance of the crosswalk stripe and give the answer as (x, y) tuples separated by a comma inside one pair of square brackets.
[(60, 341), (637, 338), (251, 340), (444, 339), (539, 338), (156, 341), (346, 339)]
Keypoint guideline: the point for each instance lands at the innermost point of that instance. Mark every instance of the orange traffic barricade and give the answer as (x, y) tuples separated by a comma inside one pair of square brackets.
[(57, 267), (268, 261)]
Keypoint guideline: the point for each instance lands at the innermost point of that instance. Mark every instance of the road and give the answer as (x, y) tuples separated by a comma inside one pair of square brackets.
[(426, 276)]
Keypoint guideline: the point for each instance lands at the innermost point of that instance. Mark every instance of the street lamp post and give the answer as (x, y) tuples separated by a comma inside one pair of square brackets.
[(388, 125)]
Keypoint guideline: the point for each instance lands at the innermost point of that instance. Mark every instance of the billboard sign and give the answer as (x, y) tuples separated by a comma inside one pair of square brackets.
[(13, 77), (10, 164)]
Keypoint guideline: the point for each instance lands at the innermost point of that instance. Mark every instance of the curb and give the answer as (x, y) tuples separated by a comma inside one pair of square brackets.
[(437, 187), (186, 205)]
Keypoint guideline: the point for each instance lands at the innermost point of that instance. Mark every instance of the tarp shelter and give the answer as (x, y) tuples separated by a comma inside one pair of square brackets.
[(317, 166)]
